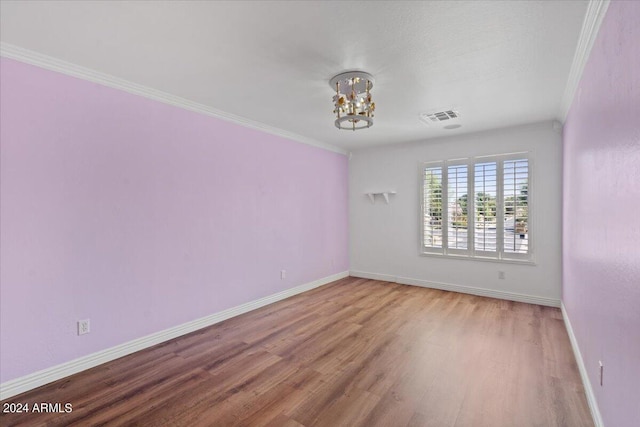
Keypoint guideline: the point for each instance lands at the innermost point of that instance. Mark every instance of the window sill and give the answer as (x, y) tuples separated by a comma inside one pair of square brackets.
[(483, 259)]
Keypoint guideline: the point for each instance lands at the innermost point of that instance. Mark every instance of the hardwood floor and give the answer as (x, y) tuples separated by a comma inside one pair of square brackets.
[(355, 352)]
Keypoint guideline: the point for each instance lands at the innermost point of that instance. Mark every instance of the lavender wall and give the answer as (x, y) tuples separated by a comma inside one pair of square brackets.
[(601, 254), (143, 216)]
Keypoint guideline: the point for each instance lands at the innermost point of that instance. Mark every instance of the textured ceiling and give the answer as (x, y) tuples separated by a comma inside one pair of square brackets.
[(499, 63)]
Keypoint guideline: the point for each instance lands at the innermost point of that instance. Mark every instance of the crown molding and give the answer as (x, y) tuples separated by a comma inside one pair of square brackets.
[(596, 10), (34, 58)]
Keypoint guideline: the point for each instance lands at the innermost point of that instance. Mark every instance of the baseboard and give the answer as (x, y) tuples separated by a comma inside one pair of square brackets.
[(372, 276), (45, 376), (511, 296), (588, 390)]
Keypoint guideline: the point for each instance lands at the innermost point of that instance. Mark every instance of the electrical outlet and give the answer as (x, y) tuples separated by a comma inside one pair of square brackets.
[(501, 275), (601, 371), (283, 274), (83, 327)]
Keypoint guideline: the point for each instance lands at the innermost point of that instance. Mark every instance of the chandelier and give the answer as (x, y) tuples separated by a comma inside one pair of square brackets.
[(352, 101)]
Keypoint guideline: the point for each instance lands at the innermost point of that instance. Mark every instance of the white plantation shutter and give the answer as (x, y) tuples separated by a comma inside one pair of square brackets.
[(485, 200), (457, 179), (432, 207), (477, 208), (516, 206)]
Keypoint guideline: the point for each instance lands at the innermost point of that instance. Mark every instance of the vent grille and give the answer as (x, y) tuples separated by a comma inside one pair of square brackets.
[(440, 116)]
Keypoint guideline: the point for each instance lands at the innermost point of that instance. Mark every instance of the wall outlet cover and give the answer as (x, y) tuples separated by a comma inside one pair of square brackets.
[(83, 327)]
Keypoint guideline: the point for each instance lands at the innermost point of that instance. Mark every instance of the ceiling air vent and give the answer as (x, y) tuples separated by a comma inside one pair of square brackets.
[(444, 118)]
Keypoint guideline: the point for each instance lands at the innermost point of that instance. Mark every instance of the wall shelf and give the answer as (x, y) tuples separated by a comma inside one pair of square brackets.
[(385, 194)]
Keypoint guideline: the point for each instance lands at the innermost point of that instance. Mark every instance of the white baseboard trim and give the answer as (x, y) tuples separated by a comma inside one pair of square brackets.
[(45, 376), (588, 390), (511, 296)]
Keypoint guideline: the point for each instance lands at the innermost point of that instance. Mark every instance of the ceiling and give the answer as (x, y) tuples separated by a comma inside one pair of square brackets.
[(498, 63)]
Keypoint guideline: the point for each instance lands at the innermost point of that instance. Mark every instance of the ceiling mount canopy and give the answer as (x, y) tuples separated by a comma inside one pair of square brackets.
[(353, 104)]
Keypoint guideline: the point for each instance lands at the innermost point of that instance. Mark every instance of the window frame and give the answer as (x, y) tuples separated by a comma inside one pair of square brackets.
[(500, 255)]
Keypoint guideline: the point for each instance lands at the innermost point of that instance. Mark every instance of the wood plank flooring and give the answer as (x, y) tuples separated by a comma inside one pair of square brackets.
[(355, 352)]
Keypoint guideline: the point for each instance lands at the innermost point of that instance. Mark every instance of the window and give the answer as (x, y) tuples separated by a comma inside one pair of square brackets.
[(477, 208)]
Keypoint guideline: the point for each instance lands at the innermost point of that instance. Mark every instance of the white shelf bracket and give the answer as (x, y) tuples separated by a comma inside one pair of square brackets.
[(385, 194)]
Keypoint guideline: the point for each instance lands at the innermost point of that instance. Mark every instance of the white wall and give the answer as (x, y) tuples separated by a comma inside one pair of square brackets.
[(385, 238)]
